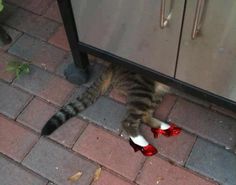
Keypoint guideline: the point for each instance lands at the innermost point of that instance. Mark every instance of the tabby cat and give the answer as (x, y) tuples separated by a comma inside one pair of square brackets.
[(142, 98)]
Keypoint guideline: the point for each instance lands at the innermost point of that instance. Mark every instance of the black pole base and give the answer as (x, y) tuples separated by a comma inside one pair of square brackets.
[(4, 37), (76, 75)]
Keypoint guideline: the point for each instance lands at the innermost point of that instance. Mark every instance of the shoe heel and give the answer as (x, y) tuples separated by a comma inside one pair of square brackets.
[(155, 132), (134, 146)]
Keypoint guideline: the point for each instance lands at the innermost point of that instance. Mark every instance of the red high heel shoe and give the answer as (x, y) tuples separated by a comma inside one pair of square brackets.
[(148, 150), (173, 130)]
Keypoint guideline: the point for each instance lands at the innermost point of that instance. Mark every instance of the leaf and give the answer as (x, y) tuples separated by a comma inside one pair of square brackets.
[(24, 68), (75, 177), (17, 73), (1, 6), (159, 179), (12, 66), (97, 174)]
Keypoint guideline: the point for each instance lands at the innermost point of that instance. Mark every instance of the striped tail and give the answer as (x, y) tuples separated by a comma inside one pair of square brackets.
[(70, 110)]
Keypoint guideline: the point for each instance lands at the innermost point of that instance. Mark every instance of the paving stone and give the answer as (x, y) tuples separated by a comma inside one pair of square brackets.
[(59, 39), (50, 183), (40, 53), (32, 24), (110, 151), (14, 34), (36, 6), (50, 87), (5, 58), (224, 111), (165, 107), (68, 133), (63, 65), (204, 122), (54, 13), (188, 97), (107, 178), (12, 100), (57, 164), (15, 141), (12, 174), (9, 11), (176, 148), (107, 113), (158, 171), (213, 161), (78, 91), (36, 114)]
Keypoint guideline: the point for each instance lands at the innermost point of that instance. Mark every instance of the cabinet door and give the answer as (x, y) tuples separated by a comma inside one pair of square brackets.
[(131, 29), (209, 61)]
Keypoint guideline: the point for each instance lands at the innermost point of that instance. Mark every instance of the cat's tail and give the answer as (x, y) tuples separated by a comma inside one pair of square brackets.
[(70, 110)]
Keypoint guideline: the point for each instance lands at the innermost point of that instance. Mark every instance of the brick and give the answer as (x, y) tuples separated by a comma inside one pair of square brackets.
[(59, 39), (107, 178), (36, 6), (63, 65), (110, 151), (15, 141), (176, 148), (204, 122), (4, 60), (57, 164), (32, 24), (165, 107), (188, 97), (109, 116), (68, 133), (12, 100), (54, 13), (50, 87), (118, 96), (78, 91), (14, 34), (41, 53), (50, 183), (158, 171), (213, 161), (9, 11), (57, 91), (224, 111), (36, 114), (12, 174)]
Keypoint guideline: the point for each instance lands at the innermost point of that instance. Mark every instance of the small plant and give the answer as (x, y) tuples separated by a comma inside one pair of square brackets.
[(18, 68), (1, 6)]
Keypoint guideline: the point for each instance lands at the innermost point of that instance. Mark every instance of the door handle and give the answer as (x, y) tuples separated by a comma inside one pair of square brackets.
[(164, 20), (197, 18)]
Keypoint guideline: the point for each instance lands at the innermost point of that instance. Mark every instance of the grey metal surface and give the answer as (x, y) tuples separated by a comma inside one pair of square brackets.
[(209, 61), (131, 29)]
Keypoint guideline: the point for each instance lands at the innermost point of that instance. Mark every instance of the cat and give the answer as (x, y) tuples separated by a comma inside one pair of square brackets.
[(143, 94)]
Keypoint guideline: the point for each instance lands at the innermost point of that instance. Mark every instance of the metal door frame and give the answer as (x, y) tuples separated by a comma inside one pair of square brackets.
[(81, 50)]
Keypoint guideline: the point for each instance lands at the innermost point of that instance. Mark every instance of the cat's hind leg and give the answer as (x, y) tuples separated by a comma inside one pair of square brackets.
[(131, 125)]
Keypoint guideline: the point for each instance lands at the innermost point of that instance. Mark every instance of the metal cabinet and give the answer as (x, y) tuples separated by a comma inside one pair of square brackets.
[(207, 55), (195, 50), (131, 29)]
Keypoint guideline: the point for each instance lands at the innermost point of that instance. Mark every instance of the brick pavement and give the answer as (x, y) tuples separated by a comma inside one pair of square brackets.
[(202, 155)]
